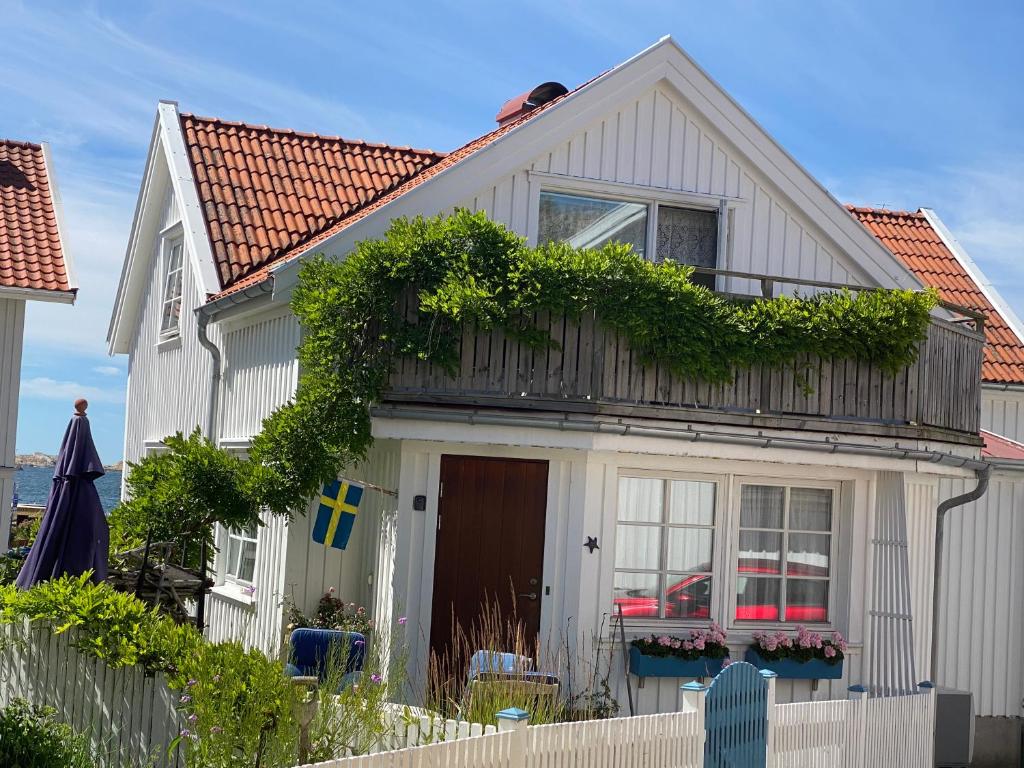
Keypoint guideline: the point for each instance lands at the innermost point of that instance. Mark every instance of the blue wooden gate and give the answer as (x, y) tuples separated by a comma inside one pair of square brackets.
[(736, 718)]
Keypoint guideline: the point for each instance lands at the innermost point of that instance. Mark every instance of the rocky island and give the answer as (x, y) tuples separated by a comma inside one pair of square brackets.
[(46, 460)]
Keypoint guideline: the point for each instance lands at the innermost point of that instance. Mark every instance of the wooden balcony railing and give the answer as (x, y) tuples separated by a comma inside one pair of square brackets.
[(592, 370)]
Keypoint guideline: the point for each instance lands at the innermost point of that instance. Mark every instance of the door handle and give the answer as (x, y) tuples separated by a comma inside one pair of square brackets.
[(528, 595)]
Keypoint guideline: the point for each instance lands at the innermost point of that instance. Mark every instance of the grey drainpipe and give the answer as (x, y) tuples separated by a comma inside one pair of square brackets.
[(202, 322), (984, 474)]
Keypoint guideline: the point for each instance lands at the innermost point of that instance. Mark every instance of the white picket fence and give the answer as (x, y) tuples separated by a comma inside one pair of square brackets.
[(858, 733), (129, 716)]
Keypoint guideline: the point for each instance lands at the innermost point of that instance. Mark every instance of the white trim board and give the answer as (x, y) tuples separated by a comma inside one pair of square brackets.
[(58, 213)]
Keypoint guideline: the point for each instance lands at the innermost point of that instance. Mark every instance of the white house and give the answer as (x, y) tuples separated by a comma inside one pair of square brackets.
[(34, 266), (688, 491), (982, 589)]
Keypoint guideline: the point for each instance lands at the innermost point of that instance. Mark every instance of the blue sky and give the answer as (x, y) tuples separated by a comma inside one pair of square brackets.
[(903, 104)]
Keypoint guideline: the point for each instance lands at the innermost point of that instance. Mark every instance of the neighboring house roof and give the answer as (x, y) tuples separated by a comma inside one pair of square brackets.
[(927, 248), (33, 257), (266, 191), (999, 447)]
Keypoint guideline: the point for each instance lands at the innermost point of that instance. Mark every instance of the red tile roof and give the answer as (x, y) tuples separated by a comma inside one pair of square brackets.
[(911, 237), (999, 447), (426, 173), (266, 191), (31, 254)]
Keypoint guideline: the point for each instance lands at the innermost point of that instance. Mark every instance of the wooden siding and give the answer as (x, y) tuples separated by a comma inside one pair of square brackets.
[(589, 369), (1002, 412), (12, 327), (921, 503), (659, 141), (981, 618), (168, 385), (259, 374)]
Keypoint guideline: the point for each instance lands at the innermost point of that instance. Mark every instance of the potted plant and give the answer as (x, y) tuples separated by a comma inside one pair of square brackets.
[(702, 654), (807, 656)]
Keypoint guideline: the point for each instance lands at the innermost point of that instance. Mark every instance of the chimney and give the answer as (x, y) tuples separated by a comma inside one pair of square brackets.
[(525, 102)]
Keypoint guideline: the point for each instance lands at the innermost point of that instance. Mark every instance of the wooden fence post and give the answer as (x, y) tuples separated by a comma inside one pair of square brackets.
[(769, 713), (516, 721)]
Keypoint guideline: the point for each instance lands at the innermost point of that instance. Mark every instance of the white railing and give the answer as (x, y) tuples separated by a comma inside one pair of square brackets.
[(129, 717)]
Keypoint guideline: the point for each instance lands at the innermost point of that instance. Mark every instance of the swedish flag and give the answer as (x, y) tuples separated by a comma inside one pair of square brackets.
[(339, 504)]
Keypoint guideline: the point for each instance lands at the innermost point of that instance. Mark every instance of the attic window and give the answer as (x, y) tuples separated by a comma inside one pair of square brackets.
[(171, 308), (689, 236), (591, 222)]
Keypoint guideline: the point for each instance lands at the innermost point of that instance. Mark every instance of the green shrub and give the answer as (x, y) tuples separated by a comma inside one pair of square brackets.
[(32, 737)]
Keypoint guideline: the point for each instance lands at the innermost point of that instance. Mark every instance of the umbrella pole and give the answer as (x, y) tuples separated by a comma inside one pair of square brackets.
[(145, 561), (201, 605)]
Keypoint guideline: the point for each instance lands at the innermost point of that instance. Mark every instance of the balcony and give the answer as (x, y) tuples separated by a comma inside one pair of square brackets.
[(592, 371)]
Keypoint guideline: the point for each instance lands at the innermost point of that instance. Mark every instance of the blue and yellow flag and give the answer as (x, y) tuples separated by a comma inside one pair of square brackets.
[(339, 504)]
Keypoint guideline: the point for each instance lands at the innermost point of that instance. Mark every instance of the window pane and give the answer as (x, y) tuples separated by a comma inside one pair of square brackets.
[(760, 552), (761, 506), (692, 503), (757, 599), (169, 321), (586, 222), (640, 499), (248, 564), (808, 554), (689, 549), (810, 509), (638, 546), (688, 596), (174, 258), (689, 237), (232, 561), (636, 593), (806, 600)]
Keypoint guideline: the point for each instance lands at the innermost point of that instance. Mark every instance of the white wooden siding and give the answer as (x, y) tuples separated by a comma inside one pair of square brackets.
[(922, 501), (12, 327), (168, 388), (1002, 412), (659, 141), (259, 373), (981, 619)]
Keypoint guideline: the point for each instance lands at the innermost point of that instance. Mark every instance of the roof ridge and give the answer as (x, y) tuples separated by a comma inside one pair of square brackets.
[(23, 144), (310, 135), (884, 211)]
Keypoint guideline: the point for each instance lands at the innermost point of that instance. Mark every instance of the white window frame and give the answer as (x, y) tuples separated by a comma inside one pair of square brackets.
[(171, 240), (834, 570), (231, 570), (718, 550)]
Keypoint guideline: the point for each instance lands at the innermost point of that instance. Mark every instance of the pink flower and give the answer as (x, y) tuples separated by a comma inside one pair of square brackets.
[(699, 643), (676, 643), (665, 641), (330, 591), (829, 652), (771, 644), (375, 678), (402, 620), (687, 645)]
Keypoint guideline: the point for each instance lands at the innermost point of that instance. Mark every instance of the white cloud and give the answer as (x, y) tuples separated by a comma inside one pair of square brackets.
[(108, 370), (45, 388)]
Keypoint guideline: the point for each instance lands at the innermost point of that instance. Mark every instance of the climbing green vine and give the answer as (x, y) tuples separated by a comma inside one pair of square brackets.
[(467, 270)]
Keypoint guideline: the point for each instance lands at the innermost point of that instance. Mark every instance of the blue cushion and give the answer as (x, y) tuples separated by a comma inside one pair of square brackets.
[(311, 649), (500, 663)]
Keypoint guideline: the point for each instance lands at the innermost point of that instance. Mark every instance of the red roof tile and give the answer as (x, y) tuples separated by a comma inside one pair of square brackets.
[(31, 255), (266, 191), (999, 447), (425, 174), (911, 237)]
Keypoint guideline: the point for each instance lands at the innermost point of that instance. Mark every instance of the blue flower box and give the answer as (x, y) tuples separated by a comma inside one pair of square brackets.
[(671, 666), (814, 669)]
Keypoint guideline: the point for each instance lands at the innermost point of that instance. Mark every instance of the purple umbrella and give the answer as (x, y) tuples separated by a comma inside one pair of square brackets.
[(73, 536)]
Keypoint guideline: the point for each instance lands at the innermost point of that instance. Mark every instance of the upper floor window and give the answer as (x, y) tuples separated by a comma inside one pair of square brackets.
[(663, 548), (685, 235), (173, 273), (784, 558)]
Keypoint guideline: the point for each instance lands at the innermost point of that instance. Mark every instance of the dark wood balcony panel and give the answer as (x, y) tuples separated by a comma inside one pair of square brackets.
[(591, 369)]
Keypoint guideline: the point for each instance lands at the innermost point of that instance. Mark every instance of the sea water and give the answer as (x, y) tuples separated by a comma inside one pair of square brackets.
[(32, 486)]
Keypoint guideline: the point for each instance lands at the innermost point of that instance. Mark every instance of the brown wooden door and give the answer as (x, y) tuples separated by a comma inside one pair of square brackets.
[(489, 546)]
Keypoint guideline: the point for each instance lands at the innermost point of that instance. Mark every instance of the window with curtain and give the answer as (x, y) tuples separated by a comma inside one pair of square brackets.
[(591, 222), (240, 563), (784, 558), (663, 548), (689, 236), (173, 273)]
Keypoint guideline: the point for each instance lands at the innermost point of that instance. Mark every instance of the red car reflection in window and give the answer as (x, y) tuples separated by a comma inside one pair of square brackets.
[(690, 597)]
